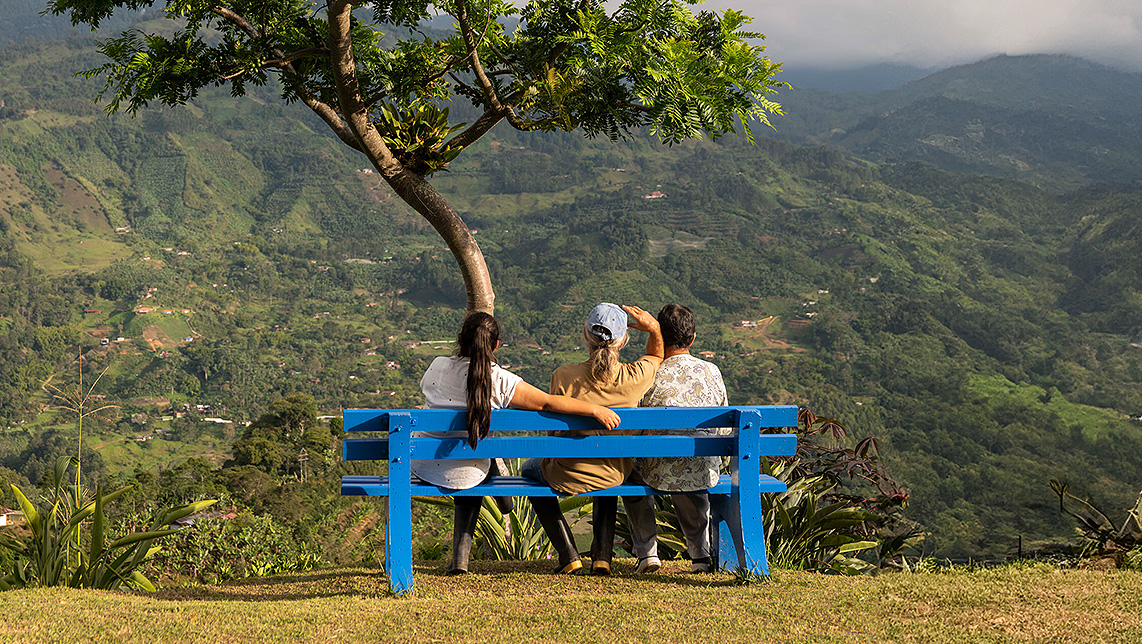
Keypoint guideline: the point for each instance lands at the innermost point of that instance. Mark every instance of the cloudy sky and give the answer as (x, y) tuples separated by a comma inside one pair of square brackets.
[(930, 33)]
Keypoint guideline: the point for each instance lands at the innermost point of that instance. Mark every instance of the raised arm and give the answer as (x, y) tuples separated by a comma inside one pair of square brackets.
[(644, 321), (532, 399)]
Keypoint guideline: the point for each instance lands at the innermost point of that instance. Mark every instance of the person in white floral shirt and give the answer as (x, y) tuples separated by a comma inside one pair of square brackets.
[(681, 381)]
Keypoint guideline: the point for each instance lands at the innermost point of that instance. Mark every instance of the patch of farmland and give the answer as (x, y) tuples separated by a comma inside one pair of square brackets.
[(78, 203)]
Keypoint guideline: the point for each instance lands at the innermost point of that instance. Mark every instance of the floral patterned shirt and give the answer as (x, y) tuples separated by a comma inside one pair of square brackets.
[(684, 381)]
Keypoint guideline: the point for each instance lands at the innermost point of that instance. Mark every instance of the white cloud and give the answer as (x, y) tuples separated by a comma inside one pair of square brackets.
[(850, 33)]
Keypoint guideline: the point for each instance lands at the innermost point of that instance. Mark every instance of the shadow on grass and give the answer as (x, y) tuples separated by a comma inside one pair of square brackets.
[(308, 585), (673, 573), (533, 576)]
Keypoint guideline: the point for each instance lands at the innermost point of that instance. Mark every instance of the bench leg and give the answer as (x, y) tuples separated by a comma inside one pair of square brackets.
[(726, 546), (737, 535), (752, 530), (399, 539), (745, 499)]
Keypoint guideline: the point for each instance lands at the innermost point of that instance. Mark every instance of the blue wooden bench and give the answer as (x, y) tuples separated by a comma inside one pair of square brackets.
[(740, 534)]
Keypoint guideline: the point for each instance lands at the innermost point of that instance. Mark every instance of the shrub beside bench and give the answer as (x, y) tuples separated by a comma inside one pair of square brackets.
[(739, 533)]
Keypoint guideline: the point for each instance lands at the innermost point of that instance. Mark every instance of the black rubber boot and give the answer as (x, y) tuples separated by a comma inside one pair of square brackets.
[(464, 527), (551, 518), (603, 515)]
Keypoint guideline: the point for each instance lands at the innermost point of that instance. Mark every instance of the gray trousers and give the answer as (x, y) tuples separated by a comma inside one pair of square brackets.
[(693, 511)]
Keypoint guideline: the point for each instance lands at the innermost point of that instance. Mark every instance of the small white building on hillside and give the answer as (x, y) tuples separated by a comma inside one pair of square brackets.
[(10, 517)]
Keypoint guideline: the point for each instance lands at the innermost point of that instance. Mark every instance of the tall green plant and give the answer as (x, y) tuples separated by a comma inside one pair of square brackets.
[(803, 531), (854, 477), (81, 403), (51, 555), (817, 523)]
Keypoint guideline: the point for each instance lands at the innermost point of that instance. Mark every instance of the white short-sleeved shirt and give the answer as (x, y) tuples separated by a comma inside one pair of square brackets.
[(445, 386)]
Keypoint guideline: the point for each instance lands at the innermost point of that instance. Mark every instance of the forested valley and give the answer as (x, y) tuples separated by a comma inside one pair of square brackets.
[(228, 263)]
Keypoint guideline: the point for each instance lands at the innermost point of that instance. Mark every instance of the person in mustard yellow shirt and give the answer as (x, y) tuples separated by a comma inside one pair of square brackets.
[(601, 380)]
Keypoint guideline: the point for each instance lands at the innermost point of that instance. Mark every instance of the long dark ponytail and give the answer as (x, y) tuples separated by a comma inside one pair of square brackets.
[(479, 336)]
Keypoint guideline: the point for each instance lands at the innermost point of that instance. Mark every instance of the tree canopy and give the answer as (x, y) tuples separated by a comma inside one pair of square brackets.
[(568, 65)]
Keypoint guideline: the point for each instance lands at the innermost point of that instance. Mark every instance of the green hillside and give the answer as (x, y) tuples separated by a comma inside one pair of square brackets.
[(986, 330)]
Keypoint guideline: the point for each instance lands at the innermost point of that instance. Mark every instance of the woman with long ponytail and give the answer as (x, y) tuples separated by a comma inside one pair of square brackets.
[(472, 380), (478, 339)]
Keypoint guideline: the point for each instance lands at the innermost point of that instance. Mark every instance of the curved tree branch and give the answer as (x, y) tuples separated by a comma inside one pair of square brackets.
[(230, 16), (472, 45), (285, 61), (323, 110), (332, 119), (473, 132), (376, 98), (488, 120), (456, 79)]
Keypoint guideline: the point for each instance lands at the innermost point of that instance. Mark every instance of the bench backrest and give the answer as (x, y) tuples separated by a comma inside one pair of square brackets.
[(748, 439)]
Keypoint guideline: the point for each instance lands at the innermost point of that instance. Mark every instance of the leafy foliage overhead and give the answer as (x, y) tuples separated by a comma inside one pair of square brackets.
[(568, 65)]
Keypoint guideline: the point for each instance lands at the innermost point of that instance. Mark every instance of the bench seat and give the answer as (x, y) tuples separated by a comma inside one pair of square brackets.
[(360, 485)]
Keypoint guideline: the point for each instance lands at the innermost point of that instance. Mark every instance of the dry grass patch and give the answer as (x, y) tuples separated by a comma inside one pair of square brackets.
[(518, 602)]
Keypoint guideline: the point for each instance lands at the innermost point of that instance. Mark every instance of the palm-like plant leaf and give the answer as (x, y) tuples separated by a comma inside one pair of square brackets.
[(50, 556)]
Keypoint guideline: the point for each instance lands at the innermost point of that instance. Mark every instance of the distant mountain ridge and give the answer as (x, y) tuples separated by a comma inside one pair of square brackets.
[(869, 78), (1041, 82), (1055, 121)]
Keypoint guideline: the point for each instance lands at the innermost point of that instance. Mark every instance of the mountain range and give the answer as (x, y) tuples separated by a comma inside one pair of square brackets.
[(1057, 122)]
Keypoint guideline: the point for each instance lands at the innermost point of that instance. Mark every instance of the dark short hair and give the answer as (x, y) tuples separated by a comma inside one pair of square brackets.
[(678, 324)]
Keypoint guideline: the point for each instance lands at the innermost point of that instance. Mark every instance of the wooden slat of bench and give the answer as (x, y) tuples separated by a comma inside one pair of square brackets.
[(361, 485), (633, 418), (377, 449)]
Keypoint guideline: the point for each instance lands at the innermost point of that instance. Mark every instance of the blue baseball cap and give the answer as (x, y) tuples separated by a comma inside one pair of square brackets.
[(607, 321)]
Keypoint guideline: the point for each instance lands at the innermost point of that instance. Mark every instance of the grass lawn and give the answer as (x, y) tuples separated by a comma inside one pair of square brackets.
[(516, 602)]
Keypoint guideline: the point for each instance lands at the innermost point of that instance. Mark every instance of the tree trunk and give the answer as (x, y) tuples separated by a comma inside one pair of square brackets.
[(409, 186), (426, 200)]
